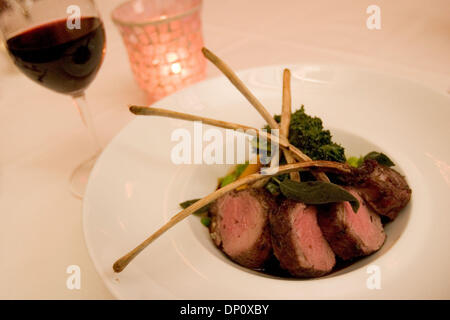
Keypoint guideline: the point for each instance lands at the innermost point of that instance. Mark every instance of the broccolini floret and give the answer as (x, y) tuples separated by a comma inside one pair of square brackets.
[(307, 134)]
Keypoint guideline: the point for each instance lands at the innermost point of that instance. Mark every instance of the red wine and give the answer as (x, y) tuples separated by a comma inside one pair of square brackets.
[(58, 58)]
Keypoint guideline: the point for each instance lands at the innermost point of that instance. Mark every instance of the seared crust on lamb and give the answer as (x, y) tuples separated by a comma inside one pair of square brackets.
[(384, 189)]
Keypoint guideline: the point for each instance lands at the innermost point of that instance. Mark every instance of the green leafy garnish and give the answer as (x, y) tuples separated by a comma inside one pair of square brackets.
[(227, 179), (240, 168), (273, 188), (380, 157), (188, 203), (206, 221), (202, 212), (355, 161), (317, 192), (233, 176), (307, 134)]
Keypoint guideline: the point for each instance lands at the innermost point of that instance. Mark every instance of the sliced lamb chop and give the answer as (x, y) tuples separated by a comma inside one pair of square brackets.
[(384, 189), (351, 234), (298, 242), (240, 226)]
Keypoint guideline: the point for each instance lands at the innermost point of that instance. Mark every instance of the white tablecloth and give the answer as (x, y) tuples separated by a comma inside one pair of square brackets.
[(43, 139)]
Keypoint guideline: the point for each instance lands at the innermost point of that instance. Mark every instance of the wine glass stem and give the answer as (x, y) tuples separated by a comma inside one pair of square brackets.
[(83, 107)]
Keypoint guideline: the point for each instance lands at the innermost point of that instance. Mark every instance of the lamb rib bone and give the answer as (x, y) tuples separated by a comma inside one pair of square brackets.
[(120, 264)]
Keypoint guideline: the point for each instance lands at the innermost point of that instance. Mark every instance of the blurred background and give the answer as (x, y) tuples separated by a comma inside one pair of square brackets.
[(43, 138)]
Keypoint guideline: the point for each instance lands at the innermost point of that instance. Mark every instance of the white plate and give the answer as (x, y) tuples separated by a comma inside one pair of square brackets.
[(135, 188)]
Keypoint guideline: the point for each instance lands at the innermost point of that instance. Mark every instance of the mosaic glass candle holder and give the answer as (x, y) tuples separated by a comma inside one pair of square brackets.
[(163, 39)]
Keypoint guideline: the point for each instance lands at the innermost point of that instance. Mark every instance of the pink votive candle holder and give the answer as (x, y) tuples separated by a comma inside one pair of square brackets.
[(164, 41)]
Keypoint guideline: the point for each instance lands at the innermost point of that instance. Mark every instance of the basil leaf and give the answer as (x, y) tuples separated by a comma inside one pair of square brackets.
[(317, 192), (379, 157), (188, 203)]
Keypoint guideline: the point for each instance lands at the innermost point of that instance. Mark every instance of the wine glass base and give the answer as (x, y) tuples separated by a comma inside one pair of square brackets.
[(80, 176)]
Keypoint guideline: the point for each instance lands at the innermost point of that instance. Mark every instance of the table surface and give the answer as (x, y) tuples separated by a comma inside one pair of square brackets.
[(43, 138)]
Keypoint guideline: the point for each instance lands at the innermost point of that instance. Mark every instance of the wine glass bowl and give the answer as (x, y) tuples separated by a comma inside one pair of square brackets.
[(58, 58), (60, 44)]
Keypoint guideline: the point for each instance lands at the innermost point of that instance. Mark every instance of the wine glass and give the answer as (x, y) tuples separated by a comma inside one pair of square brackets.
[(59, 44)]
